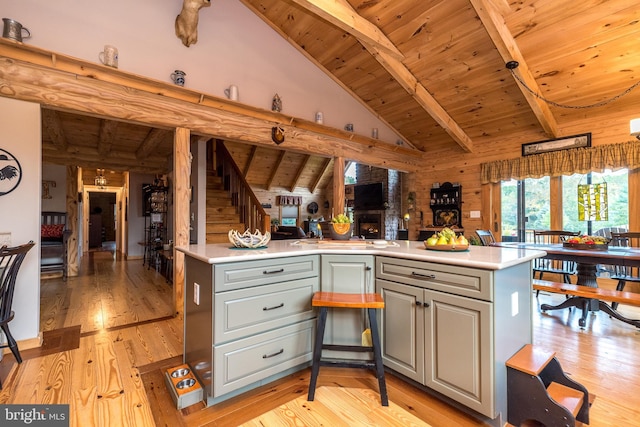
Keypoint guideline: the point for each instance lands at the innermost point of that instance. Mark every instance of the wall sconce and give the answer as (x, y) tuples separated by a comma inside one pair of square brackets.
[(406, 218), (634, 126)]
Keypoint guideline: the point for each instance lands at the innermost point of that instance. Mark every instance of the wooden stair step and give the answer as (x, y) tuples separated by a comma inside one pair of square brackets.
[(221, 210), (530, 359), (568, 397), (223, 219), (224, 227)]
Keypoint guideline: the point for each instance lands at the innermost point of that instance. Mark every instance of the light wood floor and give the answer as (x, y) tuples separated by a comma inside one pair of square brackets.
[(115, 304)]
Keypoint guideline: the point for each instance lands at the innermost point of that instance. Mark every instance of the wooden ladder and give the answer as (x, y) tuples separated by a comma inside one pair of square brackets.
[(538, 390)]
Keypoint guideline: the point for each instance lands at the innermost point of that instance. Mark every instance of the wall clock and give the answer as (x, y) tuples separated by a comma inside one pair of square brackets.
[(312, 208), (10, 172)]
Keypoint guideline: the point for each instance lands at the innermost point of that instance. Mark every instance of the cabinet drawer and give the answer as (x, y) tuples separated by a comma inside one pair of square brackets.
[(239, 275), (243, 362), (464, 281), (249, 311)]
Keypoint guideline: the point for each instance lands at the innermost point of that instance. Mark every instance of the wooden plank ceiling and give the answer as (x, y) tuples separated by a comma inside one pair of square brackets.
[(433, 70)]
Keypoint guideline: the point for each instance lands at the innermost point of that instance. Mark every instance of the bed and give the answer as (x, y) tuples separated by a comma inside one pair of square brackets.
[(54, 236)]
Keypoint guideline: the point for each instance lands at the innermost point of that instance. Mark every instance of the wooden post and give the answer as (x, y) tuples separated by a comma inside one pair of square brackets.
[(338, 185), (72, 220), (181, 197), (555, 203), (634, 199)]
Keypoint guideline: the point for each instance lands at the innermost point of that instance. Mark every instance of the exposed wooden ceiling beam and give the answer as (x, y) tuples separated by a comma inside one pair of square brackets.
[(409, 82), (252, 155), (150, 143), (82, 86), (342, 15), (106, 135), (321, 173), (90, 159), (493, 20), (274, 172), (321, 67), (303, 166), (53, 125)]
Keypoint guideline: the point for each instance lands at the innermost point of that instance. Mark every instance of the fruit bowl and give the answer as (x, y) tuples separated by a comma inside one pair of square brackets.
[(588, 243), (448, 248), (248, 240), (586, 247)]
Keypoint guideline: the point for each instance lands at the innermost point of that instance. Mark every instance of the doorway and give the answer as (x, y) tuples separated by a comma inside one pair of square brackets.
[(102, 220)]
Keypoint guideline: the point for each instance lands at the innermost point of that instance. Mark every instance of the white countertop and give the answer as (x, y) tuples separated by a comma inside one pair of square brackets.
[(484, 257)]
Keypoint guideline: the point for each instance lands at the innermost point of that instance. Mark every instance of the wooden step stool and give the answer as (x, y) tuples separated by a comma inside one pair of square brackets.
[(538, 390), (326, 300)]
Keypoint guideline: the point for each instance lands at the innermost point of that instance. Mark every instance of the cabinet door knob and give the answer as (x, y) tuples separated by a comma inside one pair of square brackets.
[(418, 303), (367, 268)]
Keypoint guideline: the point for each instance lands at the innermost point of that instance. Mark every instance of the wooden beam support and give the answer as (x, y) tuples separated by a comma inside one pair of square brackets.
[(73, 173), (274, 172), (150, 143), (113, 93), (301, 169), (181, 201), (338, 186), (106, 136), (409, 82), (489, 13), (323, 171), (330, 75), (91, 159), (252, 155), (52, 123), (342, 15)]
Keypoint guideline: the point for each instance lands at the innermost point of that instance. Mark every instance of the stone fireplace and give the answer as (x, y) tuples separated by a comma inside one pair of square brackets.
[(368, 225)]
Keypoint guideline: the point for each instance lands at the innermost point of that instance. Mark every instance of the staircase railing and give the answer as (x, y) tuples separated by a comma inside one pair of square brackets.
[(245, 201)]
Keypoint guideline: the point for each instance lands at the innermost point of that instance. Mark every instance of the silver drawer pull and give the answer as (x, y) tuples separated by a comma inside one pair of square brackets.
[(273, 308), (266, 356), (423, 276), (273, 271)]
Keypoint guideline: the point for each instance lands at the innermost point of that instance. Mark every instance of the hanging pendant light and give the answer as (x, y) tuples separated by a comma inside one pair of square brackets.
[(100, 180)]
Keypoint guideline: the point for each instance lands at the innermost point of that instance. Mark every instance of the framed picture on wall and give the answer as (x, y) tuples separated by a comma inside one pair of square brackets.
[(575, 141)]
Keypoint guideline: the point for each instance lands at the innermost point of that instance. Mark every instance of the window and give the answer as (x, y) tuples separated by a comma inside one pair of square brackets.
[(617, 197), (289, 221), (525, 206)]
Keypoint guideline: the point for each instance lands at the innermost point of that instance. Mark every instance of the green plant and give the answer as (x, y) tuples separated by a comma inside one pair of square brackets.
[(473, 240)]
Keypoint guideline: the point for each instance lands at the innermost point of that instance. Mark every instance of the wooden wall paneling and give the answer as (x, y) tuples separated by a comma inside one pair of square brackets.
[(181, 198)]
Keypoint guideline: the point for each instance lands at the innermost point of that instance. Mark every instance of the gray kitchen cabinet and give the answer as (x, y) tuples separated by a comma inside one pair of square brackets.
[(248, 322), (351, 274), (402, 329), (451, 328)]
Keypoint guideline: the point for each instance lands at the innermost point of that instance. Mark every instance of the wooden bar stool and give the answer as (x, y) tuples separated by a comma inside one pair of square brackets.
[(371, 302)]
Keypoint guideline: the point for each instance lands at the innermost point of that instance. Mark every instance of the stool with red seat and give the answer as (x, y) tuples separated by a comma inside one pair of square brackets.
[(371, 302)]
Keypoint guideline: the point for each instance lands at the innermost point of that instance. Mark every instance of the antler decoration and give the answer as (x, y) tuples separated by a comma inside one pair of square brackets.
[(187, 21)]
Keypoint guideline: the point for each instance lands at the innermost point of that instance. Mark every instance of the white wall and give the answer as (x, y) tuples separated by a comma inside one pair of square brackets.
[(234, 47), (20, 209), (57, 190)]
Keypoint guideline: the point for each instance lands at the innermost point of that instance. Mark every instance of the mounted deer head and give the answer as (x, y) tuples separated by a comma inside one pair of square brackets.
[(187, 21)]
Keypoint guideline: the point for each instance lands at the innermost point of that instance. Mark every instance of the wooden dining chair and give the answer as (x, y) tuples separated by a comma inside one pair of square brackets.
[(541, 265), (486, 237), (623, 273), (10, 261)]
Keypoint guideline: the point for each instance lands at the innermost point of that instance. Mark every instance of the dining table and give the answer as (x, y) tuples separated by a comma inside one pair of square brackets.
[(586, 261)]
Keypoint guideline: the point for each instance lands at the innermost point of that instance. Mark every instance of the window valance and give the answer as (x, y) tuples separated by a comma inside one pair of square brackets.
[(565, 162)]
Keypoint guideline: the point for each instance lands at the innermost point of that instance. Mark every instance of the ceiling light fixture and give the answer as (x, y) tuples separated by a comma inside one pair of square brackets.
[(512, 65), (634, 127), (100, 180)]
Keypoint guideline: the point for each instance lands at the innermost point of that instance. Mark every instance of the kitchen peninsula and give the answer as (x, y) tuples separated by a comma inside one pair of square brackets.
[(450, 322)]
